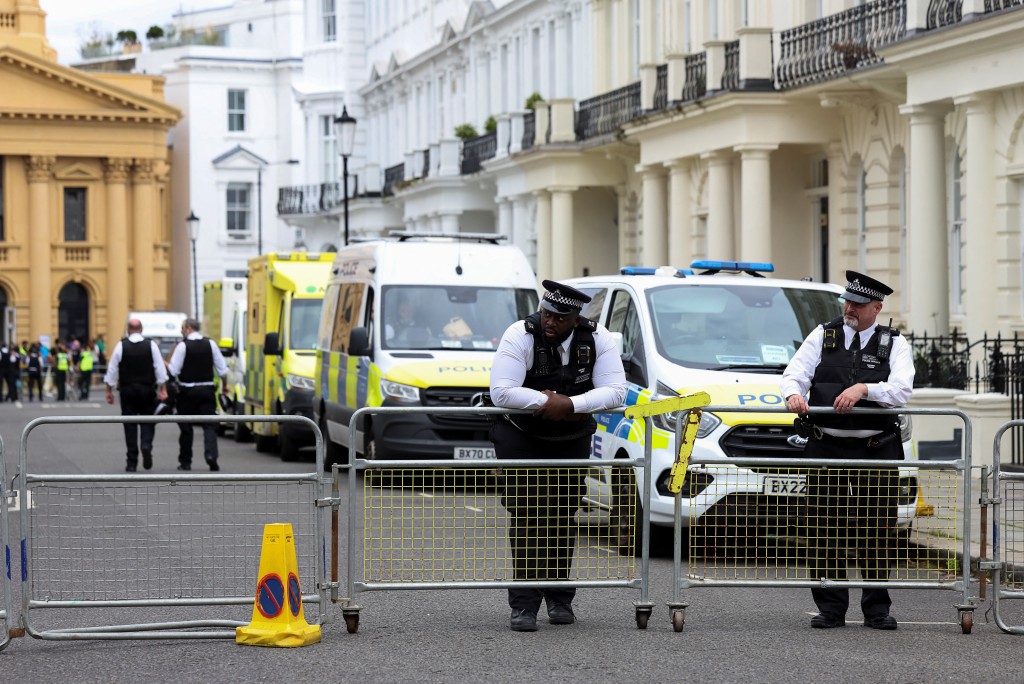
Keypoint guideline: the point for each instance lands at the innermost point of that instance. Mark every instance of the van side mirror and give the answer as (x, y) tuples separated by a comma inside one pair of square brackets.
[(359, 342), (227, 347), (272, 344)]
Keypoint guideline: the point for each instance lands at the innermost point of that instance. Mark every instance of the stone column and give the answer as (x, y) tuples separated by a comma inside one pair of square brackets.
[(505, 218), (40, 174), (721, 244), (648, 60), (563, 238), (927, 240), (543, 223), (602, 78), (116, 177), (680, 210), (755, 202), (654, 241), (142, 233), (834, 154), (980, 314)]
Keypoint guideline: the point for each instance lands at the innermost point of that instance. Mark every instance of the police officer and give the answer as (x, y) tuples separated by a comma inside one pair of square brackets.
[(564, 367), (193, 362), (852, 362), (9, 369), (60, 375), (136, 368), (34, 372), (85, 366)]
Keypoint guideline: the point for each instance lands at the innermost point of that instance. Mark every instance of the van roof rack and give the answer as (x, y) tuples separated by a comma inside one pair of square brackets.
[(404, 235)]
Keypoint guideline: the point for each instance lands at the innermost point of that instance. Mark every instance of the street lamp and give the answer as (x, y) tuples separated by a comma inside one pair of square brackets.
[(193, 233), (345, 132), (259, 200)]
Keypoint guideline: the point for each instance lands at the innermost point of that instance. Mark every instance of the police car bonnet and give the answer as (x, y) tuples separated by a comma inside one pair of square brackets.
[(562, 299), (862, 289)]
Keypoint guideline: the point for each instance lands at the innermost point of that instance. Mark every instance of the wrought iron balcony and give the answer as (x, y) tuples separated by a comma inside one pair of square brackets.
[(826, 48), (529, 129), (308, 199), (608, 112), (695, 86), (476, 151), (731, 72), (392, 174), (661, 87), (944, 12), (999, 5)]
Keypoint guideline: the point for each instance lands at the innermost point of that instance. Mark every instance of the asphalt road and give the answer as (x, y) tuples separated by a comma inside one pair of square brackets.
[(731, 635)]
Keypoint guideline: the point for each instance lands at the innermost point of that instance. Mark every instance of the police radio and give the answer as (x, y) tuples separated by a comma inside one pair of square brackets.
[(884, 342)]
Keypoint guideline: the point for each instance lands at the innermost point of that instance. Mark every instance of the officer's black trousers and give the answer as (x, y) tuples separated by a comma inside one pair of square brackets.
[(197, 401), (137, 400), (542, 504), (851, 520)]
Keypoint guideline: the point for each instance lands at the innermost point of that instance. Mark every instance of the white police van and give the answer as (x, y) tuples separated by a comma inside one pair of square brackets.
[(721, 328)]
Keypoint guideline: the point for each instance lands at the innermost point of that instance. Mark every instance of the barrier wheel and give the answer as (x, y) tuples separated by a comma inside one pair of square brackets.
[(642, 616), (678, 619), (966, 621), (352, 623)]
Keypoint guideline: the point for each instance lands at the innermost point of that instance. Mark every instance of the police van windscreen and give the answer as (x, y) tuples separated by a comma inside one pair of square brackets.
[(450, 317), (305, 322), (732, 327)]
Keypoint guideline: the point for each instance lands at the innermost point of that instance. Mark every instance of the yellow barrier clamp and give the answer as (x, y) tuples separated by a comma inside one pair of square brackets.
[(678, 473), (668, 405)]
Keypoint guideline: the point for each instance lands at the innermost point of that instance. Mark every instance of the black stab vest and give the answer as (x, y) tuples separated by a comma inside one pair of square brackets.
[(198, 365), (136, 363), (548, 373), (838, 369)]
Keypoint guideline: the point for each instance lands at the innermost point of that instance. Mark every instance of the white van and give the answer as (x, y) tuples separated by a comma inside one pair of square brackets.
[(415, 321), (162, 326)]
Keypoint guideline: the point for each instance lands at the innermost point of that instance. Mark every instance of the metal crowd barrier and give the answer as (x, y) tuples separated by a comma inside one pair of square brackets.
[(6, 609), (1007, 564), (158, 543), (443, 524), (799, 522)]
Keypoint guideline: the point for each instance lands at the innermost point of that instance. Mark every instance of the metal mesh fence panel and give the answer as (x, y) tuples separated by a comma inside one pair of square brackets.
[(174, 540), (1011, 530)]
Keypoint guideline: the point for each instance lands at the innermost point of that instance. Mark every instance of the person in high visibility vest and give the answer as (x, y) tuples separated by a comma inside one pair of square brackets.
[(61, 366), (85, 365)]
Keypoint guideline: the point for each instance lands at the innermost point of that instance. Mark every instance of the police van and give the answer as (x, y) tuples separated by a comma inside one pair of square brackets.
[(725, 329), (414, 320)]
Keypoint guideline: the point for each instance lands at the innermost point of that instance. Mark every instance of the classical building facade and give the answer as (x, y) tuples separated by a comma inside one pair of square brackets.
[(85, 232), (881, 136)]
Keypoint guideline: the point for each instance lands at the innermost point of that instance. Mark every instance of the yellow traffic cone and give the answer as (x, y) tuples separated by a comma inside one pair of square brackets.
[(277, 616)]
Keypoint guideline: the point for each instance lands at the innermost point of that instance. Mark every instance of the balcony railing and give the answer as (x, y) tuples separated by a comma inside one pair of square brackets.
[(392, 174), (999, 5), (826, 48), (661, 87), (426, 163), (731, 72), (308, 199), (529, 129), (608, 112), (476, 151), (695, 86), (944, 12)]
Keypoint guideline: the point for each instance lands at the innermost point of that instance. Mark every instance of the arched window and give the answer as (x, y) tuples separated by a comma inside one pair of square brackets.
[(73, 312)]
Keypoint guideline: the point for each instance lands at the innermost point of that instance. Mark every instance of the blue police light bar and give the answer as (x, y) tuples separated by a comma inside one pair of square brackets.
[(754, 268), (655, 270)]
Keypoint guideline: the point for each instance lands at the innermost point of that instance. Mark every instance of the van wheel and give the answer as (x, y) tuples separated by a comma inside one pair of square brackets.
[(265, 443), (333, 453), (289, 449)]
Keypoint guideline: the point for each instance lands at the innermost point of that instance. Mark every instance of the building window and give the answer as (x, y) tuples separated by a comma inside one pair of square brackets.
[(328, 149), (239, 210), (74, 214), (236, 110), (329, 20), (956, 237)]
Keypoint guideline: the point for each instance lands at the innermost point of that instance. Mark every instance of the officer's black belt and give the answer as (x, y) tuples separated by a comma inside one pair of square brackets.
[(872, 442)]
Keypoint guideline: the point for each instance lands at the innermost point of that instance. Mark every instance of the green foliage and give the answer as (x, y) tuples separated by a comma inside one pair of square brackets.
[(491, 124), (465, 131), (155, 33), (127, 37), (533, 99)]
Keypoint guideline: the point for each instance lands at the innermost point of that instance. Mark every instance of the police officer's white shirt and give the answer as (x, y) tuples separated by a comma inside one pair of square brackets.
[(893, 392), (114, 364), (515, 356), (178, 360)]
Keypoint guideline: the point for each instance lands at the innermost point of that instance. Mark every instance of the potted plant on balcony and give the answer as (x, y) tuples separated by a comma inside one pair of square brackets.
[(851, 52), (129, 41), (465, 131), (491, 125)]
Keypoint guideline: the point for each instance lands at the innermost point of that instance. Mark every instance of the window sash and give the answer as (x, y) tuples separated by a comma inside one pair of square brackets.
[(239, 210), (236, 110), (329, 20), (74, 215)]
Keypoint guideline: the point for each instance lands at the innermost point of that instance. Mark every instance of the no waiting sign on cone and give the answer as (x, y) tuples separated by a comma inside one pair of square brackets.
[(277, 615)]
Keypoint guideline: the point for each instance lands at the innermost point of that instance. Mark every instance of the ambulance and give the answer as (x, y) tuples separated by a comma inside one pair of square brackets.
[(224, 308), (725, 329), (285, 292), (414, 320)]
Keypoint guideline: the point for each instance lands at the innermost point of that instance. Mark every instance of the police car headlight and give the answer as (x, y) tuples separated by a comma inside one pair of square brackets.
[(299, 381), (708, 423), (399, 392), (906, 427)]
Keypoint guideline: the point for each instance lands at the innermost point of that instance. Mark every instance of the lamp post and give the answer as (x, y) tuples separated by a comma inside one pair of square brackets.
[(259, 200), (345, 132), (193, 233)]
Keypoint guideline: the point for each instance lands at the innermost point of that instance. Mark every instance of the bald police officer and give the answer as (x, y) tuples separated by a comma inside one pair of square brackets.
[(852, 362), (564, 367)]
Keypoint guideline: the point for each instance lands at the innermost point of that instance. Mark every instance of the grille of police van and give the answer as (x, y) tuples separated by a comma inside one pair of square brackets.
[(762, 441), (454, 397)]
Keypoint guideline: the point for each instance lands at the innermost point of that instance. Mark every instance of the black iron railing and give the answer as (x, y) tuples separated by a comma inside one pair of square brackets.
[(695, 86), (392, 175), (827, 47), (308, 199), (529, 129), (661, 88), (731, 72), (998, 5), (476, 151), (944, 12), (607, 112)]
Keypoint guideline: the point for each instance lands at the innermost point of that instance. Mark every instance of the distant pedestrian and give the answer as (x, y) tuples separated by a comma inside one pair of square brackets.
[(194, 361), (34, 372), (10, 369), (85, 366), (61, 366)]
